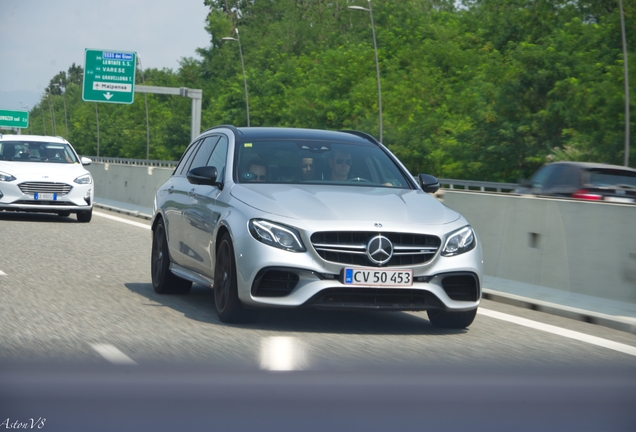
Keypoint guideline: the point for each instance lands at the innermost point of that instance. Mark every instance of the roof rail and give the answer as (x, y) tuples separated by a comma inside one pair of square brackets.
[(231, 127), (364, 135)]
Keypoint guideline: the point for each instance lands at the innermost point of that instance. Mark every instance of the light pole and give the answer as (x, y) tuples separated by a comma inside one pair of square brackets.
[(48, 97), (60, 85), (24, 107), (42, 111), (143, 81), (97, 122), (247, 103), (620, 5), (377, 65)]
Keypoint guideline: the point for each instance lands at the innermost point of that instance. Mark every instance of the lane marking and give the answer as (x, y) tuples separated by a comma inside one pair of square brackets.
[(582, 337), (282, 353), (129, 222), (112, 354)]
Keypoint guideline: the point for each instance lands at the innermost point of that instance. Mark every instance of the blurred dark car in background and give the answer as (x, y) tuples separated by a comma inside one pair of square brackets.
[(583, 180)]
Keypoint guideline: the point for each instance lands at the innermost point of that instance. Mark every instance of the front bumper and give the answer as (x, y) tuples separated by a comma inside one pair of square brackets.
[(271, 277), (79, 198)]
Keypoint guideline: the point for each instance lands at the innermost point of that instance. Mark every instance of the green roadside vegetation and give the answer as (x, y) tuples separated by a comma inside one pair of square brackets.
[(475, 89)]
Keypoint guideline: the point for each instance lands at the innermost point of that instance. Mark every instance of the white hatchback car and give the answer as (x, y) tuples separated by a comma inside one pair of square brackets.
[(44, 174)]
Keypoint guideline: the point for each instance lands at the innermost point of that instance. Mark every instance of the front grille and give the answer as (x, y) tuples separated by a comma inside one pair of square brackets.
[(30, 188), (274, 283), (375, 298), (350, 247), (461, 287)]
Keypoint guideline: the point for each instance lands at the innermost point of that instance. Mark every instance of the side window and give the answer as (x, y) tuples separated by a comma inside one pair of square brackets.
[(203, 154), (555, 177), (540, 178), (219, 157), (180, 170), (570, 177)]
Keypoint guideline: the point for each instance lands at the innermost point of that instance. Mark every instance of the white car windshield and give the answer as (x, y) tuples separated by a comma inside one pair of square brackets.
[(36, 151)]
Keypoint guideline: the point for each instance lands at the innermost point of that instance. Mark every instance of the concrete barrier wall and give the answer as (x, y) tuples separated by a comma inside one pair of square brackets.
[(129, 184), (580, 247), (572, 246)]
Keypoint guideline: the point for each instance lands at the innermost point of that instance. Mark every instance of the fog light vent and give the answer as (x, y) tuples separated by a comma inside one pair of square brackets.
[(461, 287), (274, 283)]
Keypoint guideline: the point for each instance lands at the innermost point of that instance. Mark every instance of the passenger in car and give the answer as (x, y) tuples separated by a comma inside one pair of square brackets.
[(54, 155), (307, 169)]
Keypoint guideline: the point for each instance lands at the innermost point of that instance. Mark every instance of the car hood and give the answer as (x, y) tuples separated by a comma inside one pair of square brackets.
[(41, 171), (345, 203)]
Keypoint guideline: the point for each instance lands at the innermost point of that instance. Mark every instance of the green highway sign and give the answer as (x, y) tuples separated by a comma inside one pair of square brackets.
[(14, 119), (109, 76)]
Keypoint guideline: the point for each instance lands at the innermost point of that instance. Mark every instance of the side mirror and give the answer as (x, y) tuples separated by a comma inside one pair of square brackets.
[(525, 183), (86, 161), (428, 183), (205, 175)]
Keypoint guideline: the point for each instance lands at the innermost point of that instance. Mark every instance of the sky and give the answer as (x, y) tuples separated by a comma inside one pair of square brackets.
[(40, 38)]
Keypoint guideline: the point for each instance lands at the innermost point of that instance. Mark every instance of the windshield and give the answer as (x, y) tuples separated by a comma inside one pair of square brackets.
[(317, 162), (36, 151)]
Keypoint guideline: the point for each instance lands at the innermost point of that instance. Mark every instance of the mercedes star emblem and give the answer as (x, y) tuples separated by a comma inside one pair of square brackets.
[(379, 250)]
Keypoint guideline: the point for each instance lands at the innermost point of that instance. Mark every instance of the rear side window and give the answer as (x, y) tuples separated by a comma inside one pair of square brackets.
[(612, 178)]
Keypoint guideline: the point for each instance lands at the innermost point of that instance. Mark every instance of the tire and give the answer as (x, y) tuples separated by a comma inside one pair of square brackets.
[(163, 280), (228, 306), (85, 215), (64, 213), (451, 320)]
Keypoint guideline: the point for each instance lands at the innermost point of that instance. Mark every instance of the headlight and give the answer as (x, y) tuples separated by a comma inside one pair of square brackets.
[(459, 241), (6, 177), (85, 179), (279, 236)]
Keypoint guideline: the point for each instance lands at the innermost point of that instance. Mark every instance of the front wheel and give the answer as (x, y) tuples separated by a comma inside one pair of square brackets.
[(85, 215), (228, 306), (163, 280), (451, 320)]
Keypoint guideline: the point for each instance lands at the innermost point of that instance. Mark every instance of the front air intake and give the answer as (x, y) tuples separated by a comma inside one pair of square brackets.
[(461, 287)]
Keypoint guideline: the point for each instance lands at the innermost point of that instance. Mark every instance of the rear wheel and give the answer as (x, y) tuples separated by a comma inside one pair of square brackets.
[(228, 306), (163, 280), (451, 320), (84, 215)]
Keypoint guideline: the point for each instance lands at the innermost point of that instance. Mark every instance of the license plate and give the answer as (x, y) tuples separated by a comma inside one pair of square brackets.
[(619, 199), (378, 277), (45, 196)]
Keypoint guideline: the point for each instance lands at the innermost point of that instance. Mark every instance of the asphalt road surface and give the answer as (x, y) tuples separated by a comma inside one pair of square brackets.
[(86, 345)]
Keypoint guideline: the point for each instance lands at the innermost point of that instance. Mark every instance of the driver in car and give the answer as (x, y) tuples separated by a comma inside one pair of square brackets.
[(340, 163), (256, 171)]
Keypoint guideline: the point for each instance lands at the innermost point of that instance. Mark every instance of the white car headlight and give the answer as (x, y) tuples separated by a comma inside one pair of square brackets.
[(279, 236), (459, 241), (84, 179), (6, 177)]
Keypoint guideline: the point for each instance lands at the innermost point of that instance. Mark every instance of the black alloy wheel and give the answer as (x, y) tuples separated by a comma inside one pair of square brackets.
[(228, 306), (163, 280)]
